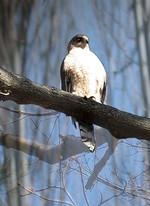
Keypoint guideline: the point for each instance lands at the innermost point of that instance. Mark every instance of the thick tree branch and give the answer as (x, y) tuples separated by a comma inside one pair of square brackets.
[(24, 91)]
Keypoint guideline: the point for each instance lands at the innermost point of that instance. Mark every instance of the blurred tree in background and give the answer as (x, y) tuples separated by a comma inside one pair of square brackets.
[(33, 43)]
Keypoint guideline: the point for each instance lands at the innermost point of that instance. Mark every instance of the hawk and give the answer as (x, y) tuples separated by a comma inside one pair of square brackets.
[(83, 74)]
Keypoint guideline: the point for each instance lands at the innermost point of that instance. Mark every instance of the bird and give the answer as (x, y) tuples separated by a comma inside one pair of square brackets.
[(83, 74)]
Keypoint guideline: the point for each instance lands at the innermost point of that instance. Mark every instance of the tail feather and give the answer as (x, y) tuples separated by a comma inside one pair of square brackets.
[(87, 135), (74, 122)]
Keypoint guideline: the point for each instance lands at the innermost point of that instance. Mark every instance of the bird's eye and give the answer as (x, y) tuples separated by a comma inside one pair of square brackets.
[(79, 39)]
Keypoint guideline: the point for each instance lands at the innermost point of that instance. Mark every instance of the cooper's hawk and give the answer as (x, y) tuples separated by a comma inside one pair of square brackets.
[(83, 74)]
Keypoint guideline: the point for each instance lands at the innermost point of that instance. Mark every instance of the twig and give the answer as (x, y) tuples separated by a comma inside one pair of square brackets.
[(30, 190)]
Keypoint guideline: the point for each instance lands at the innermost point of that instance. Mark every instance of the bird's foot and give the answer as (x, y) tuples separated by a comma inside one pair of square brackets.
[(92, 97), (86, 98)]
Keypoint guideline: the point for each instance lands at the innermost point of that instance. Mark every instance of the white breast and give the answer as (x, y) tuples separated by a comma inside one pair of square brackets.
[(86, 71)]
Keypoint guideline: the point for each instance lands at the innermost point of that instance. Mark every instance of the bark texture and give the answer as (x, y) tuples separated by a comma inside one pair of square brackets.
[(120, 124)]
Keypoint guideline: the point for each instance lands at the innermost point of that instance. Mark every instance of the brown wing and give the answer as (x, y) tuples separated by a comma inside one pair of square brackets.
[(65, 79), (66, 84), (103, 93)]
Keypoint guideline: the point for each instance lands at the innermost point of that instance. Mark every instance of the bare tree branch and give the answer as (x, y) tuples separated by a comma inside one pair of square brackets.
[(120, 124), (99, 166), (51, 155), (70, 146), (30, 113), (30, 191)]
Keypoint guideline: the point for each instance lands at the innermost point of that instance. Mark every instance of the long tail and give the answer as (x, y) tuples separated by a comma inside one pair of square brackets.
[(87, 135)]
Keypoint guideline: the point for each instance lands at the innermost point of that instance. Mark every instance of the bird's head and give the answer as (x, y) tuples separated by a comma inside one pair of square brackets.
[(79, 40)]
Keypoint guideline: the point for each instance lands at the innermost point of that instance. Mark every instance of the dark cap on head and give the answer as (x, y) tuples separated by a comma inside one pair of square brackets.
[(80, 40)]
